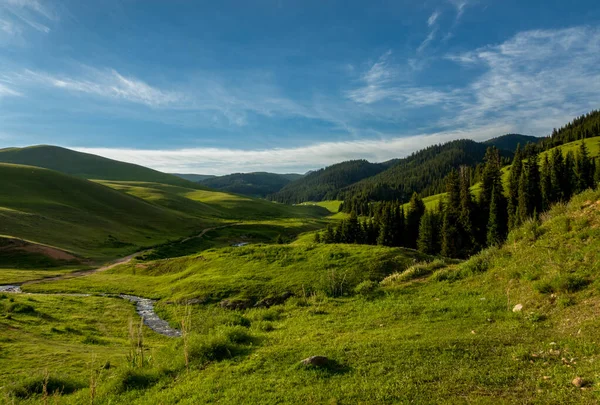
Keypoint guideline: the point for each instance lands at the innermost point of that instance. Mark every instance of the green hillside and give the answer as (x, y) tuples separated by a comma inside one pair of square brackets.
[(510, 141), (81, 216), (85, 165), (258, 184), (514, 324), (196, 178), (324, 184)]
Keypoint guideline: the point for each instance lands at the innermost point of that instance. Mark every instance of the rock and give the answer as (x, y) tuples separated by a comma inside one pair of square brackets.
[(235, 304), (578, 382), (518, 308), (317, 361), (195, 301)]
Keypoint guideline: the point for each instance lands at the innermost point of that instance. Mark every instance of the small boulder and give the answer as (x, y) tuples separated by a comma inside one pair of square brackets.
[(578, 382), (518, 308), (317, 361)]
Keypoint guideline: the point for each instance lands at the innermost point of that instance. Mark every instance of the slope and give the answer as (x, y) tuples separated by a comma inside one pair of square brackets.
[(514, 324), (324, 184), (85, 165), (196, 178), (510, 141), (423, 172), (81, 216), (258, 184)]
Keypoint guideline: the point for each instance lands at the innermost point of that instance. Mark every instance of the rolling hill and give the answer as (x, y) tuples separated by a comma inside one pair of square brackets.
[(85, 165), (196, 178), (257, 184), (324, 184), (510, 141)]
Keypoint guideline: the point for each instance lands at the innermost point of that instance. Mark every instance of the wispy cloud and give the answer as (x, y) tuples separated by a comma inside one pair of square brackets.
[(433, 18), (460, 6), (223, 161), (5, 91), (375, 80), (17, 15)]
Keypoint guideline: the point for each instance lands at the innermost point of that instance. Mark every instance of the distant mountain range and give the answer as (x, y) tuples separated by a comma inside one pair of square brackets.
[(423, 171)]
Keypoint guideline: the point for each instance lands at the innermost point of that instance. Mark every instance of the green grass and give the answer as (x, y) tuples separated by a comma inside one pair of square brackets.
[(256, 272), (438, 333)]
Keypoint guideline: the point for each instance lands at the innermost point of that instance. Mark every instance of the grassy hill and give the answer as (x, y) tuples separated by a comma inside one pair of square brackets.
[(324, 184), (258, 184), (85, 165), (80, 216), (429, 333)]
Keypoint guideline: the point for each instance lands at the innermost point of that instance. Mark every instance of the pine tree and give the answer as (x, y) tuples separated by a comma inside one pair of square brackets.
[(416, 209), (546, 184), (557, 176), (569, 178), (513, 188), (583, 169), (451, 235), (386, 229), (352, 230), (530, 198), (597, 172), (329, 236), (428, 241), (494, 231), (467, 214)]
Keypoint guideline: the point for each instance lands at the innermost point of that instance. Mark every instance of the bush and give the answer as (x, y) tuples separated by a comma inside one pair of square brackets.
[(570, 283), (135, 379), (237, 334), (367, 289), (35, 386), (18, 308), (418, 270)]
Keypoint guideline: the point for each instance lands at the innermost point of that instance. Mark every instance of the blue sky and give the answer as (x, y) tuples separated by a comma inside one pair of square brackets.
[(288, 86)]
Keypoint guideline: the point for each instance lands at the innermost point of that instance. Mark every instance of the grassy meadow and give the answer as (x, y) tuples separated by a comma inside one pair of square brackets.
[(395, 332)]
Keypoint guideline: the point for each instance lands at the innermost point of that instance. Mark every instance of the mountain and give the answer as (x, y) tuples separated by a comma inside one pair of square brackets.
[(196, 178), (258, 184), (510, 141), (421, 172), (86, 165), (324, 184)]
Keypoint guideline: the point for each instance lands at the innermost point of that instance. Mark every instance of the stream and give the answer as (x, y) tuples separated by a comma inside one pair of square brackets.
[(143, 306)]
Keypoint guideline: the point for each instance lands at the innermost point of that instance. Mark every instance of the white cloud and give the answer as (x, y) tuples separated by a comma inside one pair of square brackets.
[(433, 18), (430, 37), (285, 160), (6, 91), (460, 7), (17, 16)]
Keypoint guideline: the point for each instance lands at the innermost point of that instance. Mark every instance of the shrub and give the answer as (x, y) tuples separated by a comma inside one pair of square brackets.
[(135, 379), (367, 289), (418, 270), (35, 386), (570, 283), (18, 308), (237, 334)]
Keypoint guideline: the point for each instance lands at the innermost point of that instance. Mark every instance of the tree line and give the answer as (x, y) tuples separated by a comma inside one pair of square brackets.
[(461, 224)]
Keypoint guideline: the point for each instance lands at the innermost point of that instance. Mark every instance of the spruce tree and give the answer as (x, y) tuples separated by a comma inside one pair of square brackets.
[(557, 176), (450, 234), (429, 234), (386, 231), (352, 229), (467, 214), (416, 209), (597, 172), (329, 235), (583, 169), (546, 189), (513, 188), (317, 237), (494, 231), (569, 178)]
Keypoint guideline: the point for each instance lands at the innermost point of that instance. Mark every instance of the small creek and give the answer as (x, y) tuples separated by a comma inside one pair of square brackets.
[(143, 306)]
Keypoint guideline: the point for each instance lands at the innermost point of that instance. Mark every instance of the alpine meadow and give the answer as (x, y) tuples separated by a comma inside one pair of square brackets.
[(299, 202)]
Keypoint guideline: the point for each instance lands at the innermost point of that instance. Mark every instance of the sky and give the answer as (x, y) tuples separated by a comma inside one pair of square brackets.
[(216, 87)]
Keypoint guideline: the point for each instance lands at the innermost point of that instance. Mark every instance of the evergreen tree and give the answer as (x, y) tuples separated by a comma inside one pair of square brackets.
[(546, 184), (569, 178), (428, 241), (584, 170), (329, 236), (597, 172), (416, 210), (513, 188), (530, 199), (386, 229), (451, 235), (467, 214), (557, 176), (494, 228), (352, 229)]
